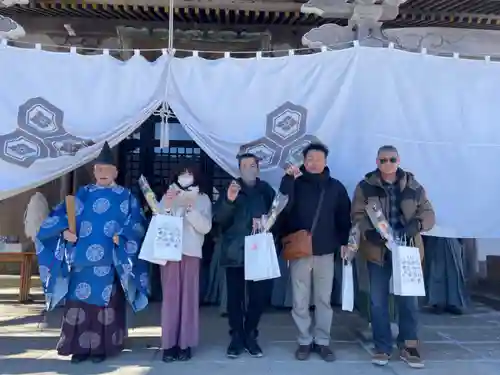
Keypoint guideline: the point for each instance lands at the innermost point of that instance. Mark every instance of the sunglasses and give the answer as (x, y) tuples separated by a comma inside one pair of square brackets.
[(392, 160)]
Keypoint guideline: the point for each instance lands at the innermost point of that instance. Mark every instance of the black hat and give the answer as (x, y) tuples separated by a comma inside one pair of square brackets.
[(106, 156)]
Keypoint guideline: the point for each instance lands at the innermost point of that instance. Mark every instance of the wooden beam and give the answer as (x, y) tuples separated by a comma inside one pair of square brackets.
[(89, 27)]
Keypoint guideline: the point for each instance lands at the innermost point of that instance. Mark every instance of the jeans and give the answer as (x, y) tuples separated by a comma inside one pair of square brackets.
[(407, 310), (243, 316)]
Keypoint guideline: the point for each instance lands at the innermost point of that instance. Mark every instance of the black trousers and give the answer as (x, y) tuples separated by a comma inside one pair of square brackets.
[(246, 301)]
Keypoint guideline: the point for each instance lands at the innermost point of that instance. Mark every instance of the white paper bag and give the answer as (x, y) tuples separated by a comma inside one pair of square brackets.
[(261, 260), (273, 271), (407, 274), (147, 248), (347, 286), (168, 238)]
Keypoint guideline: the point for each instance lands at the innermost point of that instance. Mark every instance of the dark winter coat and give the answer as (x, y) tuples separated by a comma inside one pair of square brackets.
[(235, 219), (414, 205), (334, 222)]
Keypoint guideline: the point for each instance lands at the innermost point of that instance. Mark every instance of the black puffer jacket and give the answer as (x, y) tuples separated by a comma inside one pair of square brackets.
[(334, 221), (234, 219)]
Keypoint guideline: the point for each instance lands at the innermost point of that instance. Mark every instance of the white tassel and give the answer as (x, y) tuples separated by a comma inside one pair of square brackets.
[(36, 212)]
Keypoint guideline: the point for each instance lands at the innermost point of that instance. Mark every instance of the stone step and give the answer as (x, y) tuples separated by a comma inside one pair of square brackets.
[(12, 281)]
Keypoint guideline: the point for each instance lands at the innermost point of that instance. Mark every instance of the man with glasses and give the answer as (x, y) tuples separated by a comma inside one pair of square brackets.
[(404, 203)]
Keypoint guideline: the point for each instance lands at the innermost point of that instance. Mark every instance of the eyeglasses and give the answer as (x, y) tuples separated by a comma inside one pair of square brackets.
[(392, 160)]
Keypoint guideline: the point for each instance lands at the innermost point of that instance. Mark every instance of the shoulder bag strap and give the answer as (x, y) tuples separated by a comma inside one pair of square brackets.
[(318, 209)]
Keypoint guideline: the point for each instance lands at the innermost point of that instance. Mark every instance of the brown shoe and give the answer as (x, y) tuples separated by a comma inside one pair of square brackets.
[(380, 359), (412, 357), (303, 352), (324, 352)]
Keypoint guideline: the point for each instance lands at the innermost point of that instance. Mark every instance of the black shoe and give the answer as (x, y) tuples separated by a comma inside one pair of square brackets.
[(453, 310), (235, 347), (184, 354), (79, 358), (303, 352), (98, 358), (437, 309), (252, 347), (325, 352), (170, 355)]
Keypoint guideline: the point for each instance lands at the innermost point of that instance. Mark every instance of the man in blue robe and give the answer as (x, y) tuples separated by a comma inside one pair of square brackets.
[(96, 270)]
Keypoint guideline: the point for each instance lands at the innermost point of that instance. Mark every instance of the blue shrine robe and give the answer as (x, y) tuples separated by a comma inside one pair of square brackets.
[(94, 275)]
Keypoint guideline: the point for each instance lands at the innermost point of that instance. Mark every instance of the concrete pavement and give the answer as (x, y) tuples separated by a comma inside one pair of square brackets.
[(455, 345)]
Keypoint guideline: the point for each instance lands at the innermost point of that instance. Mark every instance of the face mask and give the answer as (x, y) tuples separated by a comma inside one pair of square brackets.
[(185, 180), (249, 174)]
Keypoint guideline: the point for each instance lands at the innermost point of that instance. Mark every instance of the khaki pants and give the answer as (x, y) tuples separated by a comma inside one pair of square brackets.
[(316, 272)]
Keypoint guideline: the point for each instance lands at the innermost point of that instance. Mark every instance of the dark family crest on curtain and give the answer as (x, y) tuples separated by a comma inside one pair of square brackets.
[(285, 138), (40, 134)]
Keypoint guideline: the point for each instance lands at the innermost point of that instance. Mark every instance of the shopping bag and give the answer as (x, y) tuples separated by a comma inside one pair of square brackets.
[(261, 261), (347, 286), (273, 271), (407, 274), (147, 249), (168, 238)]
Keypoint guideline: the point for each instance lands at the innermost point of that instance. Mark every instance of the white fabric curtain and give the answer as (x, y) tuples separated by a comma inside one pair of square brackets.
[(439, 112), (57, 109)]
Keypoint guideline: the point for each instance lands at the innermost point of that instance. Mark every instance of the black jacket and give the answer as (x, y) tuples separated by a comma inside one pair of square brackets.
[(334, 221), (234, 219)]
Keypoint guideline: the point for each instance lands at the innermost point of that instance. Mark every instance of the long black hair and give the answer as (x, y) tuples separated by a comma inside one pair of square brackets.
[(186, 164)]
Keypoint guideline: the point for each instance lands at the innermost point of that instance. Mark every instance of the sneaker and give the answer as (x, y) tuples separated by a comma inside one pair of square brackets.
[(184, 354), (252, 347), (380, 359), (236, 347), (412, 357), (98, 358), (170, 355), (324, 352), (79, 358), (303, 352)]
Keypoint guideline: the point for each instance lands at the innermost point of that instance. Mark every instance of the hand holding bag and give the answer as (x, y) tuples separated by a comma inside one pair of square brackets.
[(299, 244)]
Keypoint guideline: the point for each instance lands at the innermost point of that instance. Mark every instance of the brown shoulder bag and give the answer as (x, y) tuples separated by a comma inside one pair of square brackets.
[(299, 244)]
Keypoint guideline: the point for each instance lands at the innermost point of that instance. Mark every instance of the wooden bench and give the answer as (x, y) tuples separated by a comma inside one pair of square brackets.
[(25, 259)]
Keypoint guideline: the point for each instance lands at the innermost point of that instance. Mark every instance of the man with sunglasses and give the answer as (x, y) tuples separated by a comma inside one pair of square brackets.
[(404, 203)]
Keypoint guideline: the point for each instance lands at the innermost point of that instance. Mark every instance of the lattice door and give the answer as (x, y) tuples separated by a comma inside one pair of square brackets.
[(166, 160)]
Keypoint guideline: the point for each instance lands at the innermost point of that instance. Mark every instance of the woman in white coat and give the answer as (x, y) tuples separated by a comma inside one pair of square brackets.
[(180, 280)]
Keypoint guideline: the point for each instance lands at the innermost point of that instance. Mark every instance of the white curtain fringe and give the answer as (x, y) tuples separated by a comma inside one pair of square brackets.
[(225, 54)]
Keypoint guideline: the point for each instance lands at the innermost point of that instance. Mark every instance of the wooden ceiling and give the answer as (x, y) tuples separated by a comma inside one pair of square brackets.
[(276, 13), (454, 6), (475, 14), (159, 14)]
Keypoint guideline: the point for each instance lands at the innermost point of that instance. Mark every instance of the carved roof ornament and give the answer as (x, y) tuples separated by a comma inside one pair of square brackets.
[(9, 3), (388, 9), (365, 19), (10, 29), (446, 40), (329, 34)]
